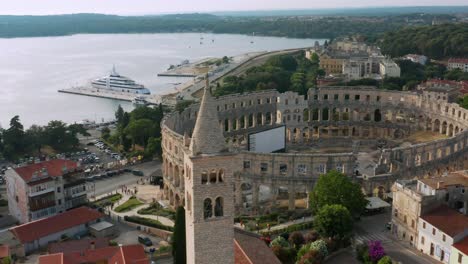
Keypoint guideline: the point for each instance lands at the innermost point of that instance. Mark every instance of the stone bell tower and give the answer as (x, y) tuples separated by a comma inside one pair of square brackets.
[(209, 206)]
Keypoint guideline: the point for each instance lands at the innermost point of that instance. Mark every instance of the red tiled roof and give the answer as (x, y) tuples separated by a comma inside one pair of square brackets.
[(4, 251), (40, 228), (447, 220), (53, 168), (132, 254), (462, 245), (51, 259), (458, 60), (248, 248), (78, 245)]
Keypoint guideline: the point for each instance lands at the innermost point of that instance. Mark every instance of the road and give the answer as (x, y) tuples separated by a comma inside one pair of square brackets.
[(107, 185), (373, 228)]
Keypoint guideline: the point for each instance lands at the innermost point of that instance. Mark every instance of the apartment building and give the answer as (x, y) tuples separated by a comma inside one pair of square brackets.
[(44, 189)]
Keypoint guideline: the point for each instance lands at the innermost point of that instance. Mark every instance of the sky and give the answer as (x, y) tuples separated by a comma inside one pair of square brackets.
[(135, 7)]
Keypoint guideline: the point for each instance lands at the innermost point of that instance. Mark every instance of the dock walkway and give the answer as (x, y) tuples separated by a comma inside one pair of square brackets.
[(152, 99)]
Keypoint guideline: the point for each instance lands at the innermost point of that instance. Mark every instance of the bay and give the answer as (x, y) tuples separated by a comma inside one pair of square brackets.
[(33, 69)]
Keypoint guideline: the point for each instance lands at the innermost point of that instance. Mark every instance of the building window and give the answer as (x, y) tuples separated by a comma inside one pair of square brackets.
[(424, 225), (220, 175), (263, 167), (433, 231), (247, 164), (283, 168), (460, 258), (396, 213), (443, 238), (60, 201), (219, 207), (412, 223), (302, 169), (204, 177), (207, 208), (422, 240), (213, 176), (336, 97), (325, 97), (58, 189), (357, 97), (346, 97)]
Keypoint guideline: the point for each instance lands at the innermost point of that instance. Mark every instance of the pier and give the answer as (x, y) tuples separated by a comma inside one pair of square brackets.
[(102, 93)]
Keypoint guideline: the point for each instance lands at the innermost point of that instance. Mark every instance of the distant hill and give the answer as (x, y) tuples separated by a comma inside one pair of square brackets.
[(296, 26), (367, 11)]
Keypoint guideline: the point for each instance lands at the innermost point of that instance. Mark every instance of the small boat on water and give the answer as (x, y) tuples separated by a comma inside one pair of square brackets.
[(140, 101)]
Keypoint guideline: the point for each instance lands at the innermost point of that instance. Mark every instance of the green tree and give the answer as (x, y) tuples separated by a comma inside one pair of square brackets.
[(14, 139), (182, 105), (464, 102), (385, 260), (154, 147), (119, 114), (35, 137), (333, 221), (178, 241), (336, 188), (105, 133), (140, 131)]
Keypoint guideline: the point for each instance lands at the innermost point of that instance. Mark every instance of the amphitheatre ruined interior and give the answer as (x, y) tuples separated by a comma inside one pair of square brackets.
[(374, 136)]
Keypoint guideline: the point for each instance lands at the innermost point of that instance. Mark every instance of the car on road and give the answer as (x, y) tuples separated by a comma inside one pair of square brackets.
[(145, 240), (137, 173)]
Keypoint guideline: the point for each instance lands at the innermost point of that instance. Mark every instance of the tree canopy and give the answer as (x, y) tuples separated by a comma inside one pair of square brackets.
[(333, 221), (178, 244), (436, 42), (336, 188)]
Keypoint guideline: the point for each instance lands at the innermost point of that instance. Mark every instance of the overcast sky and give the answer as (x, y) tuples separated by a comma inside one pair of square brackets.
[(40, 7)]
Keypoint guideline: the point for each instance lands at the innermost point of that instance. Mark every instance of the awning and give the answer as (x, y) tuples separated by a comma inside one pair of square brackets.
[(376, 203)]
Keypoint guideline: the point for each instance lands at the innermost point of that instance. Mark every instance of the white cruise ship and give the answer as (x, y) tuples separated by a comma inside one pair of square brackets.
[(119, 83)]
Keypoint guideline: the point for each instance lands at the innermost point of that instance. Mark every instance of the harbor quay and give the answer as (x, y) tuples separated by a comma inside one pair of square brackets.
[(111, 94)]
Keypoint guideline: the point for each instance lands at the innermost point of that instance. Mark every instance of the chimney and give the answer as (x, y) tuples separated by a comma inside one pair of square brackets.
[(439, 184), (92, 245)]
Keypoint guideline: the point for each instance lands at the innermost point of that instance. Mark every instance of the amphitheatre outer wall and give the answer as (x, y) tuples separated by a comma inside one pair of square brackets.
[(328, 115)]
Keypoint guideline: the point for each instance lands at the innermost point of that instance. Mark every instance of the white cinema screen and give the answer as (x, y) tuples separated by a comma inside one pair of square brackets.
[(267, 141)]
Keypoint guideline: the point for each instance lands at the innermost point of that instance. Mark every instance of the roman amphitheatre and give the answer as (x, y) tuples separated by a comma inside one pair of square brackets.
[(372, 135)]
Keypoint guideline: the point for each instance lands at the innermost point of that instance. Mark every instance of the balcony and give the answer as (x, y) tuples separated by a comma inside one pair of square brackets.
[(33, 193)]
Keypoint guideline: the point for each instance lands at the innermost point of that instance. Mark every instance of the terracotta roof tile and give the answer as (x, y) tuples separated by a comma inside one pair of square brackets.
[(458, 60), (53, 168), (131, 254), (51, 259), (447, 220), (252, 249), (455, 178), (462, 245), (34, 230)]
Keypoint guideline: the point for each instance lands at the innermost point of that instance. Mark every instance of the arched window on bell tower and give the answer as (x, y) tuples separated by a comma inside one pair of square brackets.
[(219, 207), (207, 208)]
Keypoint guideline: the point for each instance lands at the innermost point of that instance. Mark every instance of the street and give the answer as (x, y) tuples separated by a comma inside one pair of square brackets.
[(373, 228), (108, 185)]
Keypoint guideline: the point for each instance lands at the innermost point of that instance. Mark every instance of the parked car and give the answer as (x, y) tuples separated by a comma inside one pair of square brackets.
[(137, 173), (145, 240)]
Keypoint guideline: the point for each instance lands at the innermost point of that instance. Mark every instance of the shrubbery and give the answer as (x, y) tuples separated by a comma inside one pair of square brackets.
[(148, 222)]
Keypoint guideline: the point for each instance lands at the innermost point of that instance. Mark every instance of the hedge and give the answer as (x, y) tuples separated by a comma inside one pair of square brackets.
[(148, 222), (289, 229)]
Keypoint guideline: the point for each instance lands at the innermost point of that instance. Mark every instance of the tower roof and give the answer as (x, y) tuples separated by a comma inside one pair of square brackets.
[(207, 137)]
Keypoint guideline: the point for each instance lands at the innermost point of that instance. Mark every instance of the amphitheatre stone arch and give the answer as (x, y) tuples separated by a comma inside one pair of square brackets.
[(365, 132)]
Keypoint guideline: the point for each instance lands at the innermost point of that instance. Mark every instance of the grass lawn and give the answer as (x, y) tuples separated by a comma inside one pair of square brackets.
[(133, 202), (108, 200), (157, 209)]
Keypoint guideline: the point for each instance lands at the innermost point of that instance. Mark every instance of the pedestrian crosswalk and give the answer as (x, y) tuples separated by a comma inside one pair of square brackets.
[(362, 238)]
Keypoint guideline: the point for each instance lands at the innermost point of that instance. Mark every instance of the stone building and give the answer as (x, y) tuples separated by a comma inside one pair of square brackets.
[(208, 169), (413, 198), (458, 63)]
